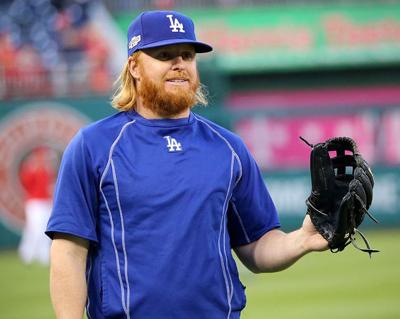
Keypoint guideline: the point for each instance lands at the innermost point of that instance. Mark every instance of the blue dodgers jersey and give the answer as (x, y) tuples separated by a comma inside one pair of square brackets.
[(162, 202)]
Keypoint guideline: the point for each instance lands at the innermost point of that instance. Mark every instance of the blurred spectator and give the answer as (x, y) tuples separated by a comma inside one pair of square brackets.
[(50, 38), (163, 4), (7, 61), (37, 176), (97, 54)]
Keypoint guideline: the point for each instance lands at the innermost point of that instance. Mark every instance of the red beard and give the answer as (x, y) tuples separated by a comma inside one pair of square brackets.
[(167, 103)]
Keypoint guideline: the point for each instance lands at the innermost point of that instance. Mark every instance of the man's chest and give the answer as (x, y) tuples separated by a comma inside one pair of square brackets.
[(164, 172)]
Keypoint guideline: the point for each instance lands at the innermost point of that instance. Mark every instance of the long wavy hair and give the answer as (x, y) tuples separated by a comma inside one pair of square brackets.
[(124, 97)]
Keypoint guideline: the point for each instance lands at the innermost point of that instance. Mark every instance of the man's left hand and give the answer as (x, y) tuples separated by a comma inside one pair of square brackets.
[(313, 240)]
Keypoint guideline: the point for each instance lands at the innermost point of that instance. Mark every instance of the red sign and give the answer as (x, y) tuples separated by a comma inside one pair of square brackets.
[(275, 143), (391, 131), (45, 125)]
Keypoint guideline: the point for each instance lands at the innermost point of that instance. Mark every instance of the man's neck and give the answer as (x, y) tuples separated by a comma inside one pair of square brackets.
[(150, 115)]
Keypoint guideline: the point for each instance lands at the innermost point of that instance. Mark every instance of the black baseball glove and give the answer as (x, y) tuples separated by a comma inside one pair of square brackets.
[(341, 195)]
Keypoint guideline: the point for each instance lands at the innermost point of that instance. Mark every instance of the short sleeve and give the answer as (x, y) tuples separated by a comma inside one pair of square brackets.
[(251, 211), (75, 197)]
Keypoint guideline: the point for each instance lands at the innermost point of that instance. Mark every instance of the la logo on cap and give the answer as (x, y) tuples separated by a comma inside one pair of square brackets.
[(175, 24)]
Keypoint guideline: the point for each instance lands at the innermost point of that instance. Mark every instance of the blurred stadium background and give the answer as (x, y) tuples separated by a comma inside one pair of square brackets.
[(280, 69)]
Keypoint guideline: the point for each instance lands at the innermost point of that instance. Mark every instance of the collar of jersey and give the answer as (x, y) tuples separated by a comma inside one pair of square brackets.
[(161, 122)]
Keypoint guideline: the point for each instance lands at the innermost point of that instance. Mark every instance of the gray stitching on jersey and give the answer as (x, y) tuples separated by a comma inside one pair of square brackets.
[(115, 250), (229, 145), (241, 222), (225, 269), (122, 235), (124, 305), (224, 242), (88, 275)]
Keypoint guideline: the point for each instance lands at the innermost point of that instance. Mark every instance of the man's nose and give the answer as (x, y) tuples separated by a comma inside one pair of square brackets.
[(177, 63)]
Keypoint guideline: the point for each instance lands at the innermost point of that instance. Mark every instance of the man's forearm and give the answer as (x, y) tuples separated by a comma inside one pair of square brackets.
[(274, 251), (67, 278), (277, 250)]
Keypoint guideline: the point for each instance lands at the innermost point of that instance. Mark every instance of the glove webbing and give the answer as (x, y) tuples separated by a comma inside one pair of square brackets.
[(352, 240), (368, 250)]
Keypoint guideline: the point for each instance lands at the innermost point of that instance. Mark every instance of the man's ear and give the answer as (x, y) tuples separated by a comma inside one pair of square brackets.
[(133, 68)]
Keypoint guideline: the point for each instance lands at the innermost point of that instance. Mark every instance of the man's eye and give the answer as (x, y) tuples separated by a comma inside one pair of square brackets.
[(164, 56), (188, 55)]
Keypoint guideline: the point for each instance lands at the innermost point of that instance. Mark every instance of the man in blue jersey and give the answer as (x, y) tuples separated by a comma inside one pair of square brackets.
[(150, 202)]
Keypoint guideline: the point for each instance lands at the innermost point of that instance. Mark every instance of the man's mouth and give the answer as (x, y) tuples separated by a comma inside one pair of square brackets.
[(177, 81)]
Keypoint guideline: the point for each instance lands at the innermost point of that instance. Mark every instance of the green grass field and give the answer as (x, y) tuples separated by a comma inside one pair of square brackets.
[(321, 285)]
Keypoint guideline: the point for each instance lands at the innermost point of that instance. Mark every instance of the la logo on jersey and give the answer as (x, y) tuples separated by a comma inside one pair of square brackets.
[(172, 144), (175, 25)]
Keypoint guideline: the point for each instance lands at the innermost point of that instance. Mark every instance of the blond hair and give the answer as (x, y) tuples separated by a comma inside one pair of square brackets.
[(124, 97)]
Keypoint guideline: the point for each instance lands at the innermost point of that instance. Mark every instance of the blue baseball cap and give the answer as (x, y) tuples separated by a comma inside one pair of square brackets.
[(158, 28)]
